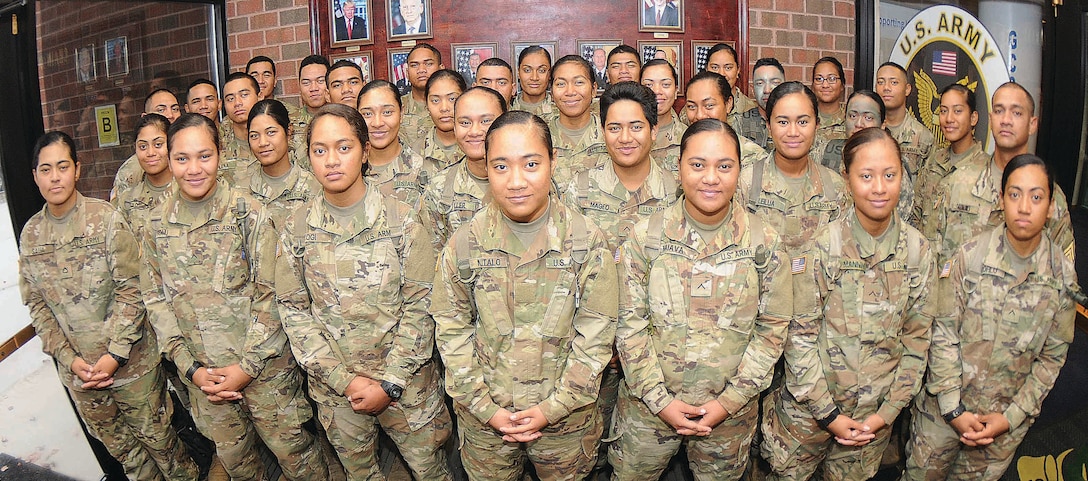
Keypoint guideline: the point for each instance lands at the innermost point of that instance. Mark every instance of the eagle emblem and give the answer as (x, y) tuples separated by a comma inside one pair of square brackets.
[(929, 103)]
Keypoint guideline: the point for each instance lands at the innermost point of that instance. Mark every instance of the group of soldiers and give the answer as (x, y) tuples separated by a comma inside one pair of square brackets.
[(539, 276)]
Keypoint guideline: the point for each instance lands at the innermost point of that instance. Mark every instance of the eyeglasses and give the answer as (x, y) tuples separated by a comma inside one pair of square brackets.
[(830, 79)]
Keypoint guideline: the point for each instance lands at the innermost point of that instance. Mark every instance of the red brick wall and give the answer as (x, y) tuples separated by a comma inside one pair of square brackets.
[(799, 32), (278, 29)]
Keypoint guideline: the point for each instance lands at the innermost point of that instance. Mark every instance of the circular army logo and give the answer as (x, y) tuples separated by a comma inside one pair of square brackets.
[(944, 45)]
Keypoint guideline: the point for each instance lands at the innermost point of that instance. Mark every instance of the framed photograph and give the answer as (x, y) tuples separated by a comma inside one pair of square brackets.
[(117, 57), (661, 15), (670, 51), (700, 53), (517, 47), (86, 72), (364, 60), (596, 52), (409, 19), (467, 56), (350, 21), (398, 69)]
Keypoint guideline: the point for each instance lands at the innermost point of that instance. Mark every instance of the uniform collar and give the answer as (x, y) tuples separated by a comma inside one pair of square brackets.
[(733, 230), (497, 236), (368, 214), (217, 208)]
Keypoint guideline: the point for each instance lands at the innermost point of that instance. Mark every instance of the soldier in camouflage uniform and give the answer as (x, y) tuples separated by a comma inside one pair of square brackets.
[(829, 84), (709, 97), (767, 74), (440, 149), (131, 173), (79, 276), (457, 193), (313, 90), (239, 96), (958, 117), (787, 189), (524, 348), (393, 167), (217, 321), (968, 199), (660, 76), (534, 70), (278, 184), (915, 141), (856, 351), (1001, 336), (706, 302), (575, 129), (136, 202), (722, 60), (352, 282), (423, 61)]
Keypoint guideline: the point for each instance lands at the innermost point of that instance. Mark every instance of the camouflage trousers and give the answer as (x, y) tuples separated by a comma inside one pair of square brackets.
[(133, 421), (646, 443), (934, 451), (795, 445), (567, 449), (272, 410), (355, 436)]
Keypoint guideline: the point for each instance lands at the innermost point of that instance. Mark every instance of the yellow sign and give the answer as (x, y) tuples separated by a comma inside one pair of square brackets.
[(105, 117)]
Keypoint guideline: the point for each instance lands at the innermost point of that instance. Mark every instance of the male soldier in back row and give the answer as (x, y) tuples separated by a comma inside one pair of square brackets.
[(915, 141), (766, 75)]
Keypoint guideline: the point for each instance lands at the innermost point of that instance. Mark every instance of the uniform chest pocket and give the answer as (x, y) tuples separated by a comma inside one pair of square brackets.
[(845, 302), (737, 293), (560, 287), (665, 293), (369, 278), (1027, 315), (492, 291), (231, 268)]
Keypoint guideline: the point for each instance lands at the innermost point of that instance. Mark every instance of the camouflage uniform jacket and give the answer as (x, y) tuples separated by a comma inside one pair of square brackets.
[(298, 188), (833, 126), (823, 196), (969, 203), (599, 195), (915, 143), (666, 148), (1003, 333), (300, 121), (751, 124), (137, 202), (436, 157), (741, 104), (702, 320), (535, 330), (235, 155), (200, 284), (576, 155), (543, 109), (927, 185), (79, 277), (453, 197), (415, 122), (861, 345), (128, 175), (354, 299), (404, 178)]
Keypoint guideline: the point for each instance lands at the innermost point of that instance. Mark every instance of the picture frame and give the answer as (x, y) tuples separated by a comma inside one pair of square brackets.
[(699, 50), (116, 57), (671, 50), (596, 52), (467, 57), (398, 68), (517, 47), (85, 65), (408, 19), (365, 61), (661, 16), (357, 31)]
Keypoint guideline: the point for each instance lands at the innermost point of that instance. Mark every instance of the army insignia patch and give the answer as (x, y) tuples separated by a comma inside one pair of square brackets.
[(946, 268), (798, 264), (1070, 252)]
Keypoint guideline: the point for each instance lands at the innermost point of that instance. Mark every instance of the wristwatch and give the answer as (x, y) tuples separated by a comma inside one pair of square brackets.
[(392, 390), (192, 370), (120, 360), (951, 416)]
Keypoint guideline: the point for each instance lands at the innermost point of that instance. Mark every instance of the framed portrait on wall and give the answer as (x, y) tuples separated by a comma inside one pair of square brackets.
[(700, 53), (670, 51), (409, 19), (596, 52), (517, 47), (350, 21), (467, 57), (661, 15), (86, 71), (398, 69), (364, 60), (116, 57)]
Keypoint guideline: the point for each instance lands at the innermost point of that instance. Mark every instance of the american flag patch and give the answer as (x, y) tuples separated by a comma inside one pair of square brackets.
[(944, 63), (798, 264), (946, 268)]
